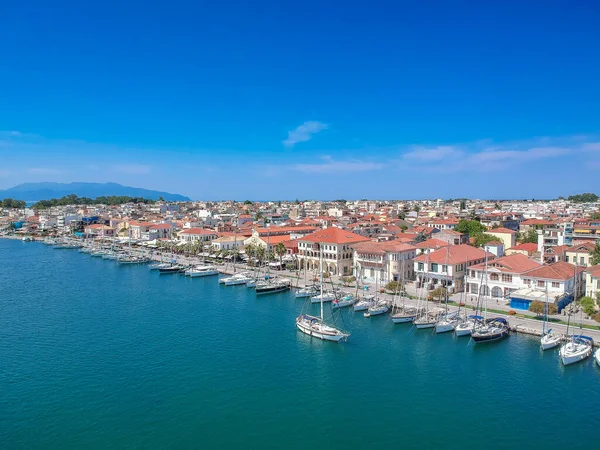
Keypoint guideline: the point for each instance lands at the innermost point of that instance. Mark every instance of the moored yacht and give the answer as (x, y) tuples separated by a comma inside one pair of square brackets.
[(380, 307), (345, 301), (446, 323), (324, 297), (272, 287), (490, 330), (202, 271), (550, 340), (308, 291), (576, 349), (365, 303), (597, 357), (466, 325)]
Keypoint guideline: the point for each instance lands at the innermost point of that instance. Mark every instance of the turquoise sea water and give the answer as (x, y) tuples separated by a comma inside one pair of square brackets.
[(97, 355)]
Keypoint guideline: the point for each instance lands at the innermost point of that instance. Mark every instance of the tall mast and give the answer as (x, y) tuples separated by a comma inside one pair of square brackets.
[(321, 270), (486, 284), (234, 247)]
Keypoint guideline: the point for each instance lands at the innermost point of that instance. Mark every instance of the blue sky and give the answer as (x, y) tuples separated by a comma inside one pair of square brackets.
[(285, 100)]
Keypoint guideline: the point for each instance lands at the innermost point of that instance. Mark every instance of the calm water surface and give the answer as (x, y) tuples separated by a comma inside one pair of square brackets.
[(97, 355)]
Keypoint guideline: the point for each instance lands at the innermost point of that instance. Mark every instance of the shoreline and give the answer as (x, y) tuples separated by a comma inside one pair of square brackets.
[(519, 323)]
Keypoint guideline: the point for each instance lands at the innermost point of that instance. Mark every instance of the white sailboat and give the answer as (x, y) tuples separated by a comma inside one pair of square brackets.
[(426, 319), (549, 339), (467, 323), (316, 326), (597, 357), (578, 347), (380, 306), (448, 321)]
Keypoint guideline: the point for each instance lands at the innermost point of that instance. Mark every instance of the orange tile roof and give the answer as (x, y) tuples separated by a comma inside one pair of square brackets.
[(516, 263), (556, 271), (382, 247), (502, 230), (198, 231), (334, 235), (527, 247), (454, 254), (432, 243), (584, 247)]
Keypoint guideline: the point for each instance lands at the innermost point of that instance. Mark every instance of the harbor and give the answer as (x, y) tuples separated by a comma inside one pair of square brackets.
[(127, 355)]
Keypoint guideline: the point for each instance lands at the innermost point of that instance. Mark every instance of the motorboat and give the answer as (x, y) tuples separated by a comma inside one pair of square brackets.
[(236, 280), (577, 348), (172, 268), (157, 266), (597, 357), (490, 330), (202, 271)]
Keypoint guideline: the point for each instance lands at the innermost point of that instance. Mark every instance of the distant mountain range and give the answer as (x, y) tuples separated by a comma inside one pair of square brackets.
[(31, 192)]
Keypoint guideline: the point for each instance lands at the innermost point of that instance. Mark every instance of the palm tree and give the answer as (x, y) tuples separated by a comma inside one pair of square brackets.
[(260, 254), (280, 250)]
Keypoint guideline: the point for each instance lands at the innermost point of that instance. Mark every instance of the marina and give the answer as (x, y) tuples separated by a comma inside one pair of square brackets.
[(126, 340)]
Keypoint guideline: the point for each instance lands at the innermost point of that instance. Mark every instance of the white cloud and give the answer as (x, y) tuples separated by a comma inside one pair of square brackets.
[(133, 169), (487, 156), (432, 154), (331, 166), (304, 133)]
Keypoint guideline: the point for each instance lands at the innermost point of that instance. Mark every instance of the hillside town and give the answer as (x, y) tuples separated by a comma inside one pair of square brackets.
[(518, 251)]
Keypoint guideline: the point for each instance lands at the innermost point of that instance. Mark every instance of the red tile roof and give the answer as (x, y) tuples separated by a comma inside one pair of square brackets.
[(502, 230), (334, 235), (382, 247), (455, 254), (594, 271), (584, 247), (556, 271), (198, 231), (517, 263), (527, 247), (432, 244)]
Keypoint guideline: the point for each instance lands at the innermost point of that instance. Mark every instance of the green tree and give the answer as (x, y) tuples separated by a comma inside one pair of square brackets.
[(588, 305), (280, 250), (539, 308), (472, 227), (596, 216), (530, 236), (587, 197), (595, 254), (463, 205), (393, 286), (484, 238)]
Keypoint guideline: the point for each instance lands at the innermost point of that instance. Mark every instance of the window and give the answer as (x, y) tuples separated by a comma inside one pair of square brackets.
[(506, 278), (444, 268), (420, 266), (494, 277), (526, 281), (541, 283), (567, 258), (582, 260), (472, 273), (434, 267), (598, 284), (555, 284)]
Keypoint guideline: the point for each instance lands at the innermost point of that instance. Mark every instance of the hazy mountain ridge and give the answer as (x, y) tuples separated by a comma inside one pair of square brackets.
[(47, 190)]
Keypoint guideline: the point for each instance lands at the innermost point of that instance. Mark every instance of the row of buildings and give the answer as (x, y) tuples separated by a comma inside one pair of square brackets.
[(379, 242)]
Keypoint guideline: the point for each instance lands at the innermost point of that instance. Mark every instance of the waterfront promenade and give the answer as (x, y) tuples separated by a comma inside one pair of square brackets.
[(523, 322)]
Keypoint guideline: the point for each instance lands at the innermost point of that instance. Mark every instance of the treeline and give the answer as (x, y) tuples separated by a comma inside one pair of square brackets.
[(588, 197), (12, 203), (103, 200)]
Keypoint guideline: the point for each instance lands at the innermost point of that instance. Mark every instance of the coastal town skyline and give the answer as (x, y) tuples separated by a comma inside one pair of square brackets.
[(217, 100)]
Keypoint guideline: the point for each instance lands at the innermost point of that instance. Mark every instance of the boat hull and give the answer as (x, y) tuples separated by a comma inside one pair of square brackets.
[(463, 331), (403, 319), (548, 342), (490, 337), (424, 325), (444, 328), (311, 331)]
